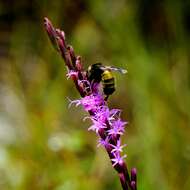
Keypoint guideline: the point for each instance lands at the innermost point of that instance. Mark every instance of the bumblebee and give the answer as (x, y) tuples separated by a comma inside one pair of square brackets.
[(99, 73)]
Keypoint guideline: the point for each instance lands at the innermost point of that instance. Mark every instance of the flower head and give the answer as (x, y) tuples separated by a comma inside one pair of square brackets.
[(104, 142), (97, 126), (117, 127), (90, 103), (118, 147), (102, 114), (118, 159)]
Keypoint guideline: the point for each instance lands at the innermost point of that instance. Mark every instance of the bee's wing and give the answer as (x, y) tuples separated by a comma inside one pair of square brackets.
[(122, 71)]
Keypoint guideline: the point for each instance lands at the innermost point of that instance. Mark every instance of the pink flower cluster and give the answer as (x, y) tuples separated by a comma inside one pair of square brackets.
[(105, 122)]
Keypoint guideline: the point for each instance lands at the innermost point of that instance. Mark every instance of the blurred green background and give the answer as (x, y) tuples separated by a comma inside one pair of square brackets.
[(44, 144)]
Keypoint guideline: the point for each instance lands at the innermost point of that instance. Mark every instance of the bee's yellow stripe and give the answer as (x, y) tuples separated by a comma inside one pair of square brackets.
[(107, 75)]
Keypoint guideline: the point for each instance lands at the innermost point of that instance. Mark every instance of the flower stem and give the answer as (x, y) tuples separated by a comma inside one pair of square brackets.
[(106, 123)]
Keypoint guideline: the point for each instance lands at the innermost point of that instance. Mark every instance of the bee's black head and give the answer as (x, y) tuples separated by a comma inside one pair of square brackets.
[(95, 71)]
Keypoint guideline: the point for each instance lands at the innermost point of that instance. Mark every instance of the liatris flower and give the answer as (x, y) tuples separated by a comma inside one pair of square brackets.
[(105, 122)]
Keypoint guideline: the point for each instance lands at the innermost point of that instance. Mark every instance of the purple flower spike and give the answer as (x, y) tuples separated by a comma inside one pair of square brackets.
[(105, 122)]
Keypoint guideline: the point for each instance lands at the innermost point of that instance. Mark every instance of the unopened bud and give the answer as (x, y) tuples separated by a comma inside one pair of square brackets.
[(133, 174), (78, 63), (133, 185), (51, 33), (72, 54)]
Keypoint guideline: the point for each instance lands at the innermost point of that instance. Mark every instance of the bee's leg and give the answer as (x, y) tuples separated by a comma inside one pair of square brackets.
[(88, 88), (106, 97), (94, 86)]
